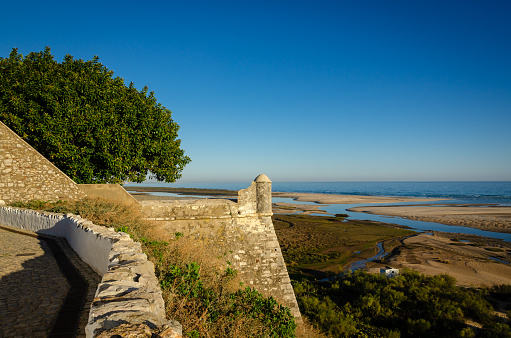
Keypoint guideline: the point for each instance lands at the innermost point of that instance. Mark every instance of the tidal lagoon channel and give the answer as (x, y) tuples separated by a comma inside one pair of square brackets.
[(419, 226)]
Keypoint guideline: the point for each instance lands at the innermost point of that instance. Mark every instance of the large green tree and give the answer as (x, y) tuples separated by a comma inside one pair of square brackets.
[(88, 122)]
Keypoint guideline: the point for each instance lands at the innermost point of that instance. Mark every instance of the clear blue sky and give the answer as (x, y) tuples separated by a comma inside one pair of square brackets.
[(304, 90)]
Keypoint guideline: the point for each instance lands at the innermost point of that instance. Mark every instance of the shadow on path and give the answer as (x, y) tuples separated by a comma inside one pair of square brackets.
[(33, 299)]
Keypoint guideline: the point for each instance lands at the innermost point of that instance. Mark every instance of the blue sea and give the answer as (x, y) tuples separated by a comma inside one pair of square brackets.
[(457, 192)]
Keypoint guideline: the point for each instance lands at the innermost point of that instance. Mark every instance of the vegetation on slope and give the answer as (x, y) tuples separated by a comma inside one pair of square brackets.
[(202, 292), (366, 305)]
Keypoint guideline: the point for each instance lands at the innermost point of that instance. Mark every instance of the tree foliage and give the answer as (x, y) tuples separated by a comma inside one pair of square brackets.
[(88, 123)]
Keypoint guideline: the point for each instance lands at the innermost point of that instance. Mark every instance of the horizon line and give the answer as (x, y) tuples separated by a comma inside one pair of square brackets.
[(376, 181)]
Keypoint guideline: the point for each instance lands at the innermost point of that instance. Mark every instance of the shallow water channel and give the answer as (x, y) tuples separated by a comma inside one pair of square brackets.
[(419, 226), (362, 263)]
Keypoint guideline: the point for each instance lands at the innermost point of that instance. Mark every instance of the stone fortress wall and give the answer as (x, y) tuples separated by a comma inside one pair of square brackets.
[(26, 175), (243, 231)]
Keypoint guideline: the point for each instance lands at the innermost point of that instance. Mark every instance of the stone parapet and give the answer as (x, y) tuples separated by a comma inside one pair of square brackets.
[(242, 232), (189, 209), (129, 294)]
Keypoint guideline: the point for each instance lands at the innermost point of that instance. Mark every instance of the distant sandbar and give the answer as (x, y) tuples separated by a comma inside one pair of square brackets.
[(349, 199), (483, 217)]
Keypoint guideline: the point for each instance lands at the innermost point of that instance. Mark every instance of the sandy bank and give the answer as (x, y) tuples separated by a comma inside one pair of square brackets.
[(490, 218), (290, 208), (348, 199), (469, 262), (484, 217)]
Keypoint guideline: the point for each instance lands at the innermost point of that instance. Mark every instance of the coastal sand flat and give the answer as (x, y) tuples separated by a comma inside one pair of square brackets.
[(348, 199), (490, 218), (289, 208), (433, 255), (438, 254)]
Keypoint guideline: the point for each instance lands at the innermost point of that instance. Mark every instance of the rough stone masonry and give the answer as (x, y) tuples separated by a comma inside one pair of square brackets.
[(242, 231), (26, 175)]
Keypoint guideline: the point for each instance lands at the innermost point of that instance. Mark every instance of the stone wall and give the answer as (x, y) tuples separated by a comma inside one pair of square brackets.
[(242, 231), (129, 292), (25, 174)]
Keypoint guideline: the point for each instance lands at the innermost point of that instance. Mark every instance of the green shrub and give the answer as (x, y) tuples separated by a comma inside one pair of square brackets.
[(411, 304)]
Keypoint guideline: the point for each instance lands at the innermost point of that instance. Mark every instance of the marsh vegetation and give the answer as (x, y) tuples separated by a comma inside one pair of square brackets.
[(316, 247), (359, 304)]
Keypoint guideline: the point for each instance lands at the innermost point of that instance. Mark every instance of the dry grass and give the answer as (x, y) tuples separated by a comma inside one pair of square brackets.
[(190, 312), (306, 330), (185, 250)]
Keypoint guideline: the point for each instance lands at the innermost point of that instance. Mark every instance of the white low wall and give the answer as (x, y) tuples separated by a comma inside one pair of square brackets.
[(92, 246), (129, 292)]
